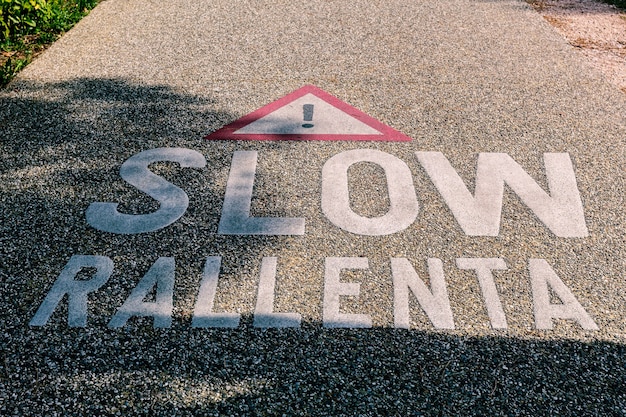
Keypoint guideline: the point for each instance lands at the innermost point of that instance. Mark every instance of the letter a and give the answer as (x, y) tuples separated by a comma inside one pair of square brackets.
[(542, 276), (160, 274)]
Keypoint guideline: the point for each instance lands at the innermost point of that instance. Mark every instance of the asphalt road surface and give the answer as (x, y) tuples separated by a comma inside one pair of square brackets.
[(312, 208)]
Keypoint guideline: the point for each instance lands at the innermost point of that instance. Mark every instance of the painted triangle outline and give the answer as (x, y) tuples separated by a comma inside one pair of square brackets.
[(387, 133)]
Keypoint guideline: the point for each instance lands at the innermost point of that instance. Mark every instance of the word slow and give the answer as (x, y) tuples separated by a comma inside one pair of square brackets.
[(434, 301), (478, 214)]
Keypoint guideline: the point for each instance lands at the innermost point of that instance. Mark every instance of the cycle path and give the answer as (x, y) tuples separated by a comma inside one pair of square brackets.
[(312, 208)]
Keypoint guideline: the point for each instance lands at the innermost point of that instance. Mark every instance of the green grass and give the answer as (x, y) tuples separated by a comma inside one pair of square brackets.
[(27, 27)]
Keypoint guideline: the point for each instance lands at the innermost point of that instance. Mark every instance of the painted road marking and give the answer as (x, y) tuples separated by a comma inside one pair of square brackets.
[(434, 302), (560, 210), (291, 118)]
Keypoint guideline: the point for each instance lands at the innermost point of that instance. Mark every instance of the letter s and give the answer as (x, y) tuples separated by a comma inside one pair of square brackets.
[(174, 201)]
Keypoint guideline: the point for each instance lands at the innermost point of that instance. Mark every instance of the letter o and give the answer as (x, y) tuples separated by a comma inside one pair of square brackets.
[(336, 200)]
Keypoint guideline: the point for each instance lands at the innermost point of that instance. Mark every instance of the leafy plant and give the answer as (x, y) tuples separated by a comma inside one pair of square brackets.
[(11, 67), (21, 16)]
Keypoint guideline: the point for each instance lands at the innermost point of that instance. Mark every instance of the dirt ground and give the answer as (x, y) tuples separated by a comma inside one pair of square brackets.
[(596, 29)]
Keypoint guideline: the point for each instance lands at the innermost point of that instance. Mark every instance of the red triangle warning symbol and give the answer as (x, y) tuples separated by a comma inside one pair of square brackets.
[(308, 113)]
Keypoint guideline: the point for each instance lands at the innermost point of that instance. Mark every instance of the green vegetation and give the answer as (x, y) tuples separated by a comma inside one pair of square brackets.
[(619, 3), (28, 26), (540, 4)]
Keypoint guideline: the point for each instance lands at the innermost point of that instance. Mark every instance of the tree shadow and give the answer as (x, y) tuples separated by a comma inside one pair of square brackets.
[(84, 115), (61, 148), (315, 371)]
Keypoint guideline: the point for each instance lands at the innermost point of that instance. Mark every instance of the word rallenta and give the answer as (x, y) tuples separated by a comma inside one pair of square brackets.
[(560, 210)]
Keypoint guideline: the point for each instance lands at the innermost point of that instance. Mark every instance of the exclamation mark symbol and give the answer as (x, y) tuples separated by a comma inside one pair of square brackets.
[(307, 112)]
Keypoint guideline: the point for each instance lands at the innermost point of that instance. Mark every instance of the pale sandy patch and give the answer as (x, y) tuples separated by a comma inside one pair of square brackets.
[(596, 29)]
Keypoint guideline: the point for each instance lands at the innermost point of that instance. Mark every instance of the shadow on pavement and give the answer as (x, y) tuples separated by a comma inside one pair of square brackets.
[(312, 371)]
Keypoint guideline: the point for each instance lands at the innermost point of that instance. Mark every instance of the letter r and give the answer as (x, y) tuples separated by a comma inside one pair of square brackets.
[(77, 290)]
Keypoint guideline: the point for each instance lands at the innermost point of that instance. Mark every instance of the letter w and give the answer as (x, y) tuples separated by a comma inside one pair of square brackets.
[(561, 211)]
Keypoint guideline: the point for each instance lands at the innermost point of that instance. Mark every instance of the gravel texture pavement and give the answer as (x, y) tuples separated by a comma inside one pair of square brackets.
[(459, 77)]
